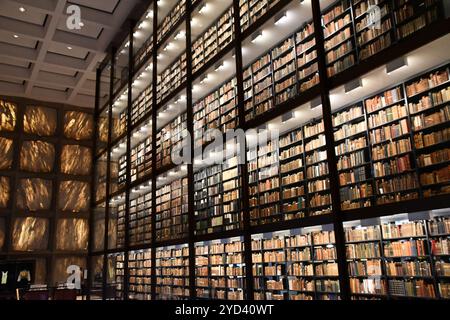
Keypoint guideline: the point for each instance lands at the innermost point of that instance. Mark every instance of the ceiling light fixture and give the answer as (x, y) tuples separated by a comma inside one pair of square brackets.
[(287, 116), (203, 8), (69, 47), (16, 36), (396, 65), (257, 35), (81, 24), (280, 18), (180, 35), (218, 67), (204, 79), (353, 85), (22, 9), (315, 103)]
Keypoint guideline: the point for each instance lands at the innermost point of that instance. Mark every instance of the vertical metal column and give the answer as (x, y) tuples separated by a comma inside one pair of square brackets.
[(331, 154)]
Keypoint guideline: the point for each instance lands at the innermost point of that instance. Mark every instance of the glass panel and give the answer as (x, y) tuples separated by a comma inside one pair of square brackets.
[(115, 276), (30, 234), (6, 156), (102, 131), (116, 226), (34, 194), (8, 116), (118, 166), (72, 234), (140, 224), (100, 178), (78, 125), (76, 160), (96, 276), (143, 38), (5, 192), (40, 121), (74, 196), (140, 265), (37, 156), (99, 228)]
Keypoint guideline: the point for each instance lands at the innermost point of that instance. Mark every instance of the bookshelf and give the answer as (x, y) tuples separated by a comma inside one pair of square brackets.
[(264, 183), (373, 37), (141, 159), (213, 40), (318, 182), (140, 269), (170, 139), (353, 155), (412, 16), (142, 106), (116, 229), (172, 273), (171, 78), (216, 198), (295, 265), (140, 219), (338, 28), (292, 175), (171, 20), (220, 269), (429, 106), (252, 10), (172, 211), (218, 110)]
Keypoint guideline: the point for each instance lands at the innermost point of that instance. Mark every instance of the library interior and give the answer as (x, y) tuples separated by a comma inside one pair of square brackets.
[(337, 188)]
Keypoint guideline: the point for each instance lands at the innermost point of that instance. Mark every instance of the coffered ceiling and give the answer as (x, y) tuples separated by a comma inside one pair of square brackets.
[(40, 58)]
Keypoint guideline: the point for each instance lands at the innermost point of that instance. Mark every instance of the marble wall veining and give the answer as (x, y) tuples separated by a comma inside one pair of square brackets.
[(45, 190), (40, 121)]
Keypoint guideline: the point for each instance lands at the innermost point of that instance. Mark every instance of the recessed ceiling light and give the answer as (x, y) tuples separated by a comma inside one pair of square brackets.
[(257, 35), (69, 47), (81, 24), (22, 9), (280, 18), (16, 36)]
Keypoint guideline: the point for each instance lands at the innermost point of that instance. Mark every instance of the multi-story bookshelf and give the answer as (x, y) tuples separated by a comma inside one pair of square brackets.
[(264, 183), (140, 278), (292, 175), (217, 198), (252, 10), (172, 211), (295, 265), (399, 257), (140, 218), (171, 78), (218, 110), (171, 20), (142, 106), (170, 139), (220, 269), (316, 166), (338, 29), (353, 155), (217, 37), (172, 273), (429, 105), (141, 159)]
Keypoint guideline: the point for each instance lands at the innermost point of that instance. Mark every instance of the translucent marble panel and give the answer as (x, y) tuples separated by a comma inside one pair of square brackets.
[(8, 116), (2, 233), (34, 194), (40, 277), (37, 156), (97, 273), (5, 191), (6, 154), (60, 274), (30, 234), (76, 160), (78, 125), (74, 196), (72, 234), (40, 121)]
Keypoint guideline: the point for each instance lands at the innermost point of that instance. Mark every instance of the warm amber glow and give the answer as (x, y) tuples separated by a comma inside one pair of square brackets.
[(40, 121), (78, 125)]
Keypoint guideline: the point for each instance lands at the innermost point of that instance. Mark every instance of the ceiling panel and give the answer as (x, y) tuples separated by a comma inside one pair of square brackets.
[(55, 58)]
